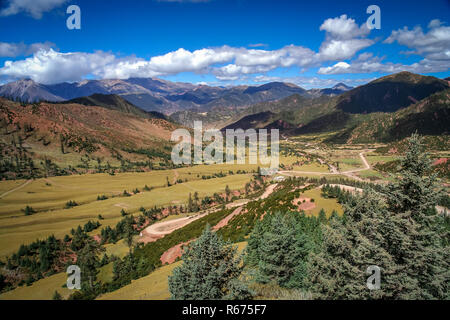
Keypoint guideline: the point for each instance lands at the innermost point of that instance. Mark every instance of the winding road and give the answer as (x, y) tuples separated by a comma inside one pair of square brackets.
[(160, 229), (334, 170)]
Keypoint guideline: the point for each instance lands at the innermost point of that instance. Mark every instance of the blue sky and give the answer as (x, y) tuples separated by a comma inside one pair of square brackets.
[(223, 42)]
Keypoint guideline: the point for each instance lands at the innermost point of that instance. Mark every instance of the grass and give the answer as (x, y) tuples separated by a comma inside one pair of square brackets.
[(40, 290), (373, 159), (349, 163), (327, 204), (152, 287), (119, 249), (312, 167), (106, 274), (17, 229), (370, 174)]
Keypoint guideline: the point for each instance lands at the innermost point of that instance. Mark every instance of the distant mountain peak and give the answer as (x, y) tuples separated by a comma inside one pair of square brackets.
[(342, 86)]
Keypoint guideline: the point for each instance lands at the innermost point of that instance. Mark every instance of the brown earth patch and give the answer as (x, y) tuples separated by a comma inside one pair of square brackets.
[(304, 203), (222, 223), (173, 253)]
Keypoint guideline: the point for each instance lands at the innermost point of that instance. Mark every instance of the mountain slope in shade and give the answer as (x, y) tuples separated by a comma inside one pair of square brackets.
[(297, 115), (116, 102), (255, 121), (390, 93), (430, 116)]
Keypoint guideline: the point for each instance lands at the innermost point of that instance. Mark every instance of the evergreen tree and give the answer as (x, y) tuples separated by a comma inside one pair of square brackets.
[(128, 233), (351, 244), (209, 271), (57, 296), (415, 195), (322, 216), (397, 230), (88, 261), (280, 251)]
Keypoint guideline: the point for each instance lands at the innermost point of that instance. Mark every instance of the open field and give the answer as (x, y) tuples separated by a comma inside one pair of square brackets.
[(52, 193), (40, 290), (17, 229), (312, 167), (327, 204)]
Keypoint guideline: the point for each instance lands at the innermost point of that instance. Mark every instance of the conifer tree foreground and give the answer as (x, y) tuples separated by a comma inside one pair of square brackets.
[(210, 270), (278, 250), (397, 230), (415, 195)]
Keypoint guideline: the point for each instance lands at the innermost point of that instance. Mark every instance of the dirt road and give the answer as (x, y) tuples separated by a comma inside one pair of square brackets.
[(160, 229), (16, 188), (334, 170)]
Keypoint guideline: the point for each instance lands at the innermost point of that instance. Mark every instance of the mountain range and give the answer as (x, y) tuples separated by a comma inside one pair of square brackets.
[(108, 132), (167, 97), (384, 110)]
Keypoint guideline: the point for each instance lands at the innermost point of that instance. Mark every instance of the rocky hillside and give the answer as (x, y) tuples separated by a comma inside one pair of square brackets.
[(47, 138)]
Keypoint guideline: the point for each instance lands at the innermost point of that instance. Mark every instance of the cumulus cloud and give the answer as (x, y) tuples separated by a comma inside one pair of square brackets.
[(344, 28), (366, 63), (433, 45), (35, 8), (41, 66), (53, 67), (21, 49), (344, 38)]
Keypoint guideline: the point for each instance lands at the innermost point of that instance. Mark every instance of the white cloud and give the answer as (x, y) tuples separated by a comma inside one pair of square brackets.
[(41, 66), (344, 38), (335, 49), (340, 67), (433, 45), (53, 67), (19, 49), (344, 28), (35, 8), (435, 23), (366, 63)]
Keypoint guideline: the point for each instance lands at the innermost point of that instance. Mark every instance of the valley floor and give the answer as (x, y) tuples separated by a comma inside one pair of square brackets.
[(49, 197)]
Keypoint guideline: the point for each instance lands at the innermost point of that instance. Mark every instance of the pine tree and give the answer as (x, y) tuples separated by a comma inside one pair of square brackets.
[(322, 216), (351, 244), (415, 195), (129, 232), (281, 252), (57, 296), (88, 261), (397, 230), (209, 271)]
